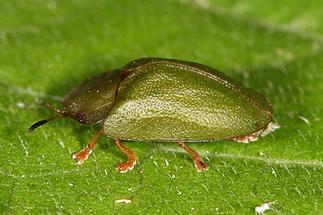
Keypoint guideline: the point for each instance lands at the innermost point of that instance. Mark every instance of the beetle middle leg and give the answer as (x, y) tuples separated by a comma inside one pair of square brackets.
[(82, 155), (131, 162), (199, 164)]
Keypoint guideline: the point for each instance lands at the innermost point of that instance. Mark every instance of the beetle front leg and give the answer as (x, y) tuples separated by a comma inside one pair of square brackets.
[(82, 155), (131, 162), (199, 164)]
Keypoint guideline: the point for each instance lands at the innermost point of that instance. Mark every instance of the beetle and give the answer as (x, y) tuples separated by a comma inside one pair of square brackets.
[(165, 100)]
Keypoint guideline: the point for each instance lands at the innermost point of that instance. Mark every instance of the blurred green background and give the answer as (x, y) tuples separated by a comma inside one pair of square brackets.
[(274, 47)]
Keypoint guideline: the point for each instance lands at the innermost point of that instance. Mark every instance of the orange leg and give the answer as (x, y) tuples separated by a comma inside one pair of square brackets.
[(199, 164), (248, 138), (82, 155), (131, 162)]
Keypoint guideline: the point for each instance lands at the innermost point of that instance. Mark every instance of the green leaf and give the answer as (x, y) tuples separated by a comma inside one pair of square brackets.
[(46, 47)]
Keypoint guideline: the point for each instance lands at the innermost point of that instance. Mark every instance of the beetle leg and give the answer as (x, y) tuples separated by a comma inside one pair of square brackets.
[(254, 136), (131, 162), (82, 155), (248, 138), (199, 164)]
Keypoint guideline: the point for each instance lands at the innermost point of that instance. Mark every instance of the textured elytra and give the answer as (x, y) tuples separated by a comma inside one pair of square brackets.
[(169, 100)]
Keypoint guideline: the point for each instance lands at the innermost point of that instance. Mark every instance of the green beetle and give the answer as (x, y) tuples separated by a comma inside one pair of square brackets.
[(165, 100)]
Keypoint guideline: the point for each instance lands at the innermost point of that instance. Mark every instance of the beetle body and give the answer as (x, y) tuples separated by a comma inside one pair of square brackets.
[(163, 100), (167, 100)]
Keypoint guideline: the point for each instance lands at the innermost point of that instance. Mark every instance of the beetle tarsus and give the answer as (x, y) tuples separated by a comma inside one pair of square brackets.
[(124, 167), (132, 160), (248, 138), (198, 162), (82, 155), (200, 165)]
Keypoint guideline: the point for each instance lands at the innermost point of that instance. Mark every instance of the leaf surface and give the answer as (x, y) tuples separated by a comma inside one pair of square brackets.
[(46, 47)]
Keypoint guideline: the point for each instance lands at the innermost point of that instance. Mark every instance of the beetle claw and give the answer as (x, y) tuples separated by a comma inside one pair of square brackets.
[(81, 156), (200, 165), (126, 166)]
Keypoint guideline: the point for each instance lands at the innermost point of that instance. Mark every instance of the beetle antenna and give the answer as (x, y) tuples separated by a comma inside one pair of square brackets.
[(42, 122), (55, 109), (60, 114)]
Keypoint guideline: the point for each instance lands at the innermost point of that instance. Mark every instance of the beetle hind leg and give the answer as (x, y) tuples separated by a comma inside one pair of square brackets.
[(254, 136), (132, 160), (248, 138), (82, 155), (199, 164)]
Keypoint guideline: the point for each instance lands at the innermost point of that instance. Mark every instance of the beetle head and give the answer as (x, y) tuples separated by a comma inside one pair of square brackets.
[(89, 102)]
